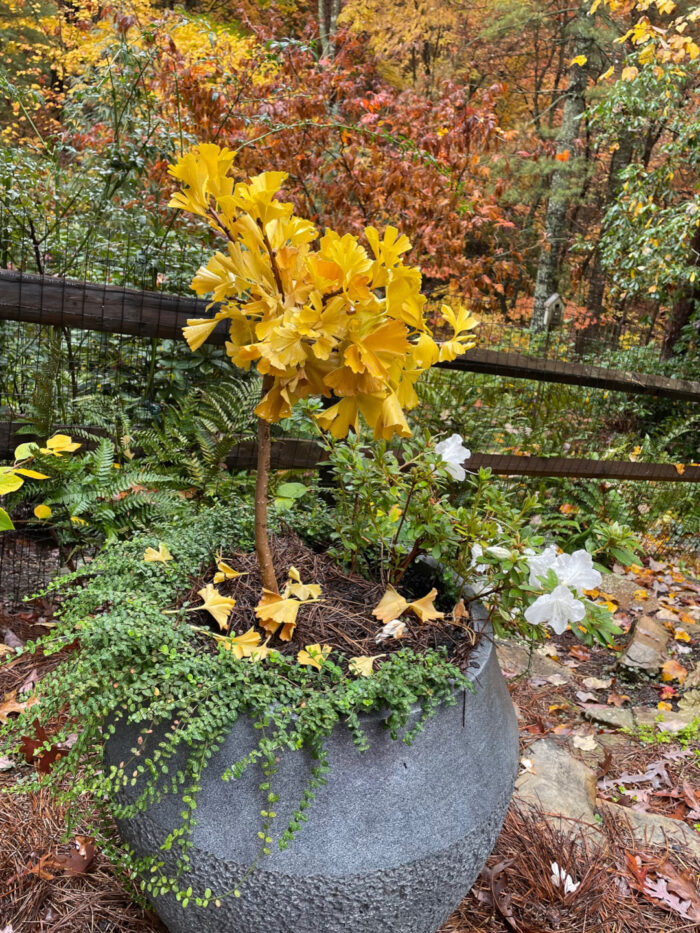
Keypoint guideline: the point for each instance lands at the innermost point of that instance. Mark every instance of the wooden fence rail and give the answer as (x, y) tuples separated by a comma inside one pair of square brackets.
[(36, 299), (291, 453)]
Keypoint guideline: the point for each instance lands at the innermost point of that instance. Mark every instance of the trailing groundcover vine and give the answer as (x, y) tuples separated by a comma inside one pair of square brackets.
[(136, 660)]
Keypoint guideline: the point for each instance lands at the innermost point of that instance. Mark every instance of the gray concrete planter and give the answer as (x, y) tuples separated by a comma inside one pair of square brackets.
[(394, 840)]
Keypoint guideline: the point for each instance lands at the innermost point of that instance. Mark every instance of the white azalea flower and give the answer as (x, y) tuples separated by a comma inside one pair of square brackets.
[(556, 609), (576, 570), (539, 564), (477, 552), (501, 552), (561, 879), (393, 629), (454, 453)]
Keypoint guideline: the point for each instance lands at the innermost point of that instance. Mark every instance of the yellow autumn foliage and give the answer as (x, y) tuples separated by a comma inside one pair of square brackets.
[(336, 319)]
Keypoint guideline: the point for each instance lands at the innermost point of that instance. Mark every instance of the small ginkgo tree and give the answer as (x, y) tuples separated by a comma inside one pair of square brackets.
[(317, 315)]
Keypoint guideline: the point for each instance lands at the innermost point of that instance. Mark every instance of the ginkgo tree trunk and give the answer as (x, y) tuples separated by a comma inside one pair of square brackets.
[(262, 482)]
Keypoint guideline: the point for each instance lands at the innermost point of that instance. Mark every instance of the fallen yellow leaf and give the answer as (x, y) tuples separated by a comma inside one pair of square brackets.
[(362, 666), (314, 655), (243, 645), (681, 635), (162, 555), (274, 610), (60, 444), (216, 604), (303, 591), (390, 607), (672, 670), (424, 608), (225, 572)]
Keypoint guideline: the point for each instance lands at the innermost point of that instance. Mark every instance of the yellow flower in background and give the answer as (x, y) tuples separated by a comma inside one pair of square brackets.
[(60, 444)]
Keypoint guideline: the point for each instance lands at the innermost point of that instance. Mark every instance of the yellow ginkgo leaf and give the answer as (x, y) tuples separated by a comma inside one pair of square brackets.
[(579, 60), (42, 512), (315, 655), (162, 555), (261, 652), (304, 591), (391, 605), (226, 572), (274, 610), (243, 645), (216, 605), (60, 444), (424, 608), (362, 665)]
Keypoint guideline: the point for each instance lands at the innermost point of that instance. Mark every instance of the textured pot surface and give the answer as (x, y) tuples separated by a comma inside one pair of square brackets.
[(393, 842)]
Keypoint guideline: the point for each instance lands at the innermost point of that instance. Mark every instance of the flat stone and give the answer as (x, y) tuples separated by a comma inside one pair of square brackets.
[(647, 648), (605, 741), (516, 660), (622, 589), (653, 829), (638, 716), (690, 699), (561, 786)]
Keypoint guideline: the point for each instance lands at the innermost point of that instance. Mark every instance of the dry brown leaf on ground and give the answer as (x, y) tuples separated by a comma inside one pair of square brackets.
[(673, 670), (676, 892), (11, 705)]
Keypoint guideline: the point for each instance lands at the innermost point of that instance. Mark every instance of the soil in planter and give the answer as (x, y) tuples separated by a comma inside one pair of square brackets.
[(342, 617)]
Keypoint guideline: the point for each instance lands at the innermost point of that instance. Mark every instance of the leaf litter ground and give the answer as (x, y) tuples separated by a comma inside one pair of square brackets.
[(49, 883)]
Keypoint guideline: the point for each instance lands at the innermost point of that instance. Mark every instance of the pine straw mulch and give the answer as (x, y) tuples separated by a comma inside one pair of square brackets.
[(43, 891), (341, 618), (514, 893)]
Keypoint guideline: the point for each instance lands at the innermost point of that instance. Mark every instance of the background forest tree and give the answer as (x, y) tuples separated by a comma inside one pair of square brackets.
[(526, 148)]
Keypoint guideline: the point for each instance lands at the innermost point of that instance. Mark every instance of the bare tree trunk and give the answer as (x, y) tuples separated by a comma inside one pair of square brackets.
[(684, 305), (560, 190), (328, 11), (597, 281), (262, 544), (323, 18)]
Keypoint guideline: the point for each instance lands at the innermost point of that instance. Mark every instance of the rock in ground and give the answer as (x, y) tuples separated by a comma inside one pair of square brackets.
[(646, 650), (638, 716), (516, 660), (561, 786), (654, 829)]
